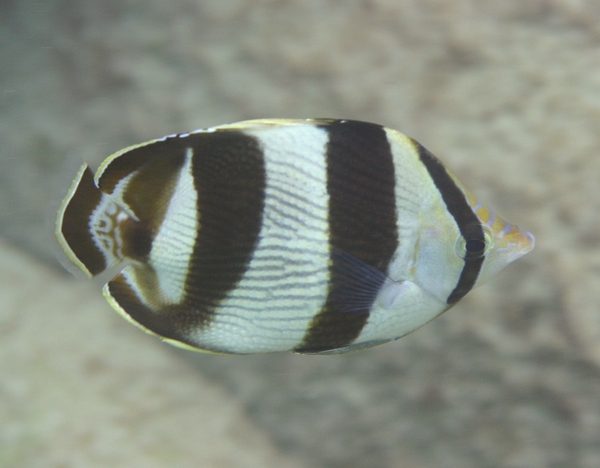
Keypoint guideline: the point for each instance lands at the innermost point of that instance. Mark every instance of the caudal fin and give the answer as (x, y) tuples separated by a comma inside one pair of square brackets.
[(86, 225)]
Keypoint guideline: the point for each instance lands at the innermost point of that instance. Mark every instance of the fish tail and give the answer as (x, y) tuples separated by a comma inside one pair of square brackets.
[(87, 225)]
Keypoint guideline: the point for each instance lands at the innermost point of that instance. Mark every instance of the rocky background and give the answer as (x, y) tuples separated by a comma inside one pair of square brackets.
[(507, 93)]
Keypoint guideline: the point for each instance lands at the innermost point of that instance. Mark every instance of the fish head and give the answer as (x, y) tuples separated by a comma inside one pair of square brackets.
[(451, 258), (504, 242)]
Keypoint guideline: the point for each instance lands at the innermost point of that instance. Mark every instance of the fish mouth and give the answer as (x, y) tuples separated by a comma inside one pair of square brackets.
[(519, 241), (528, 243)]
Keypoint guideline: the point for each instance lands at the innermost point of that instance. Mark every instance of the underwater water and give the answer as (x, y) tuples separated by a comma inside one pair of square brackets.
[(506, 93)]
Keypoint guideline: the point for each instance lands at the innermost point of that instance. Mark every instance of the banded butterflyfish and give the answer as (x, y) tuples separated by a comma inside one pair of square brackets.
[(315, 236)]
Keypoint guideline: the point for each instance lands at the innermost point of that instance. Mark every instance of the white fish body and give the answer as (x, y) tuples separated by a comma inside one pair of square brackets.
[(315, 236)]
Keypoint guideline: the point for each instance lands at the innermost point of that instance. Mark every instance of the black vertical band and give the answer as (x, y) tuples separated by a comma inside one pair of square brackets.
[(229, 175), (229, 178), (362, 224)]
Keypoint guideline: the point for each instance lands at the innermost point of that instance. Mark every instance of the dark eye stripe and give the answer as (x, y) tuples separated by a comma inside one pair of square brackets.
[(468, 223)]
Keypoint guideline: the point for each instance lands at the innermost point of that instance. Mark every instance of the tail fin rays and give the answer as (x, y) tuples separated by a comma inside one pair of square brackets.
[(86, 225)]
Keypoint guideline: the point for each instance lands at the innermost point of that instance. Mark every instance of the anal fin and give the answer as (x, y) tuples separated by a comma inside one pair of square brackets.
[(133, 294)]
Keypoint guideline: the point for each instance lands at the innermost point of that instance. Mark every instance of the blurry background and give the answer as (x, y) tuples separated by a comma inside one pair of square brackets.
[(505, 92)]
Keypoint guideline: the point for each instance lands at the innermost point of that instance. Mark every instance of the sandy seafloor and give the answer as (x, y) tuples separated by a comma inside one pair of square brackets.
[(505, 92)]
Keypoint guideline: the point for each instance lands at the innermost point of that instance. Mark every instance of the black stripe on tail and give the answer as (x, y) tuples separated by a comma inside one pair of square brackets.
[(74, 220)]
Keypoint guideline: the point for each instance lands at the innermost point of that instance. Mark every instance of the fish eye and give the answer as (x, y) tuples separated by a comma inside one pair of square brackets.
[(472, 246)]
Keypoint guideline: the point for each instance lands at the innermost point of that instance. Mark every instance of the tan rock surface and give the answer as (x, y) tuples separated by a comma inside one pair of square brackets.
[(79, 387)]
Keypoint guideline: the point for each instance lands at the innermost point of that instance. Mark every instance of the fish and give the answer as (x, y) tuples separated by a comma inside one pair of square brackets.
[(316, 236)]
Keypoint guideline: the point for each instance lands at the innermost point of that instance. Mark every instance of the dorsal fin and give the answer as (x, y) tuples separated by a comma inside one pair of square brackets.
[(141, 178)]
